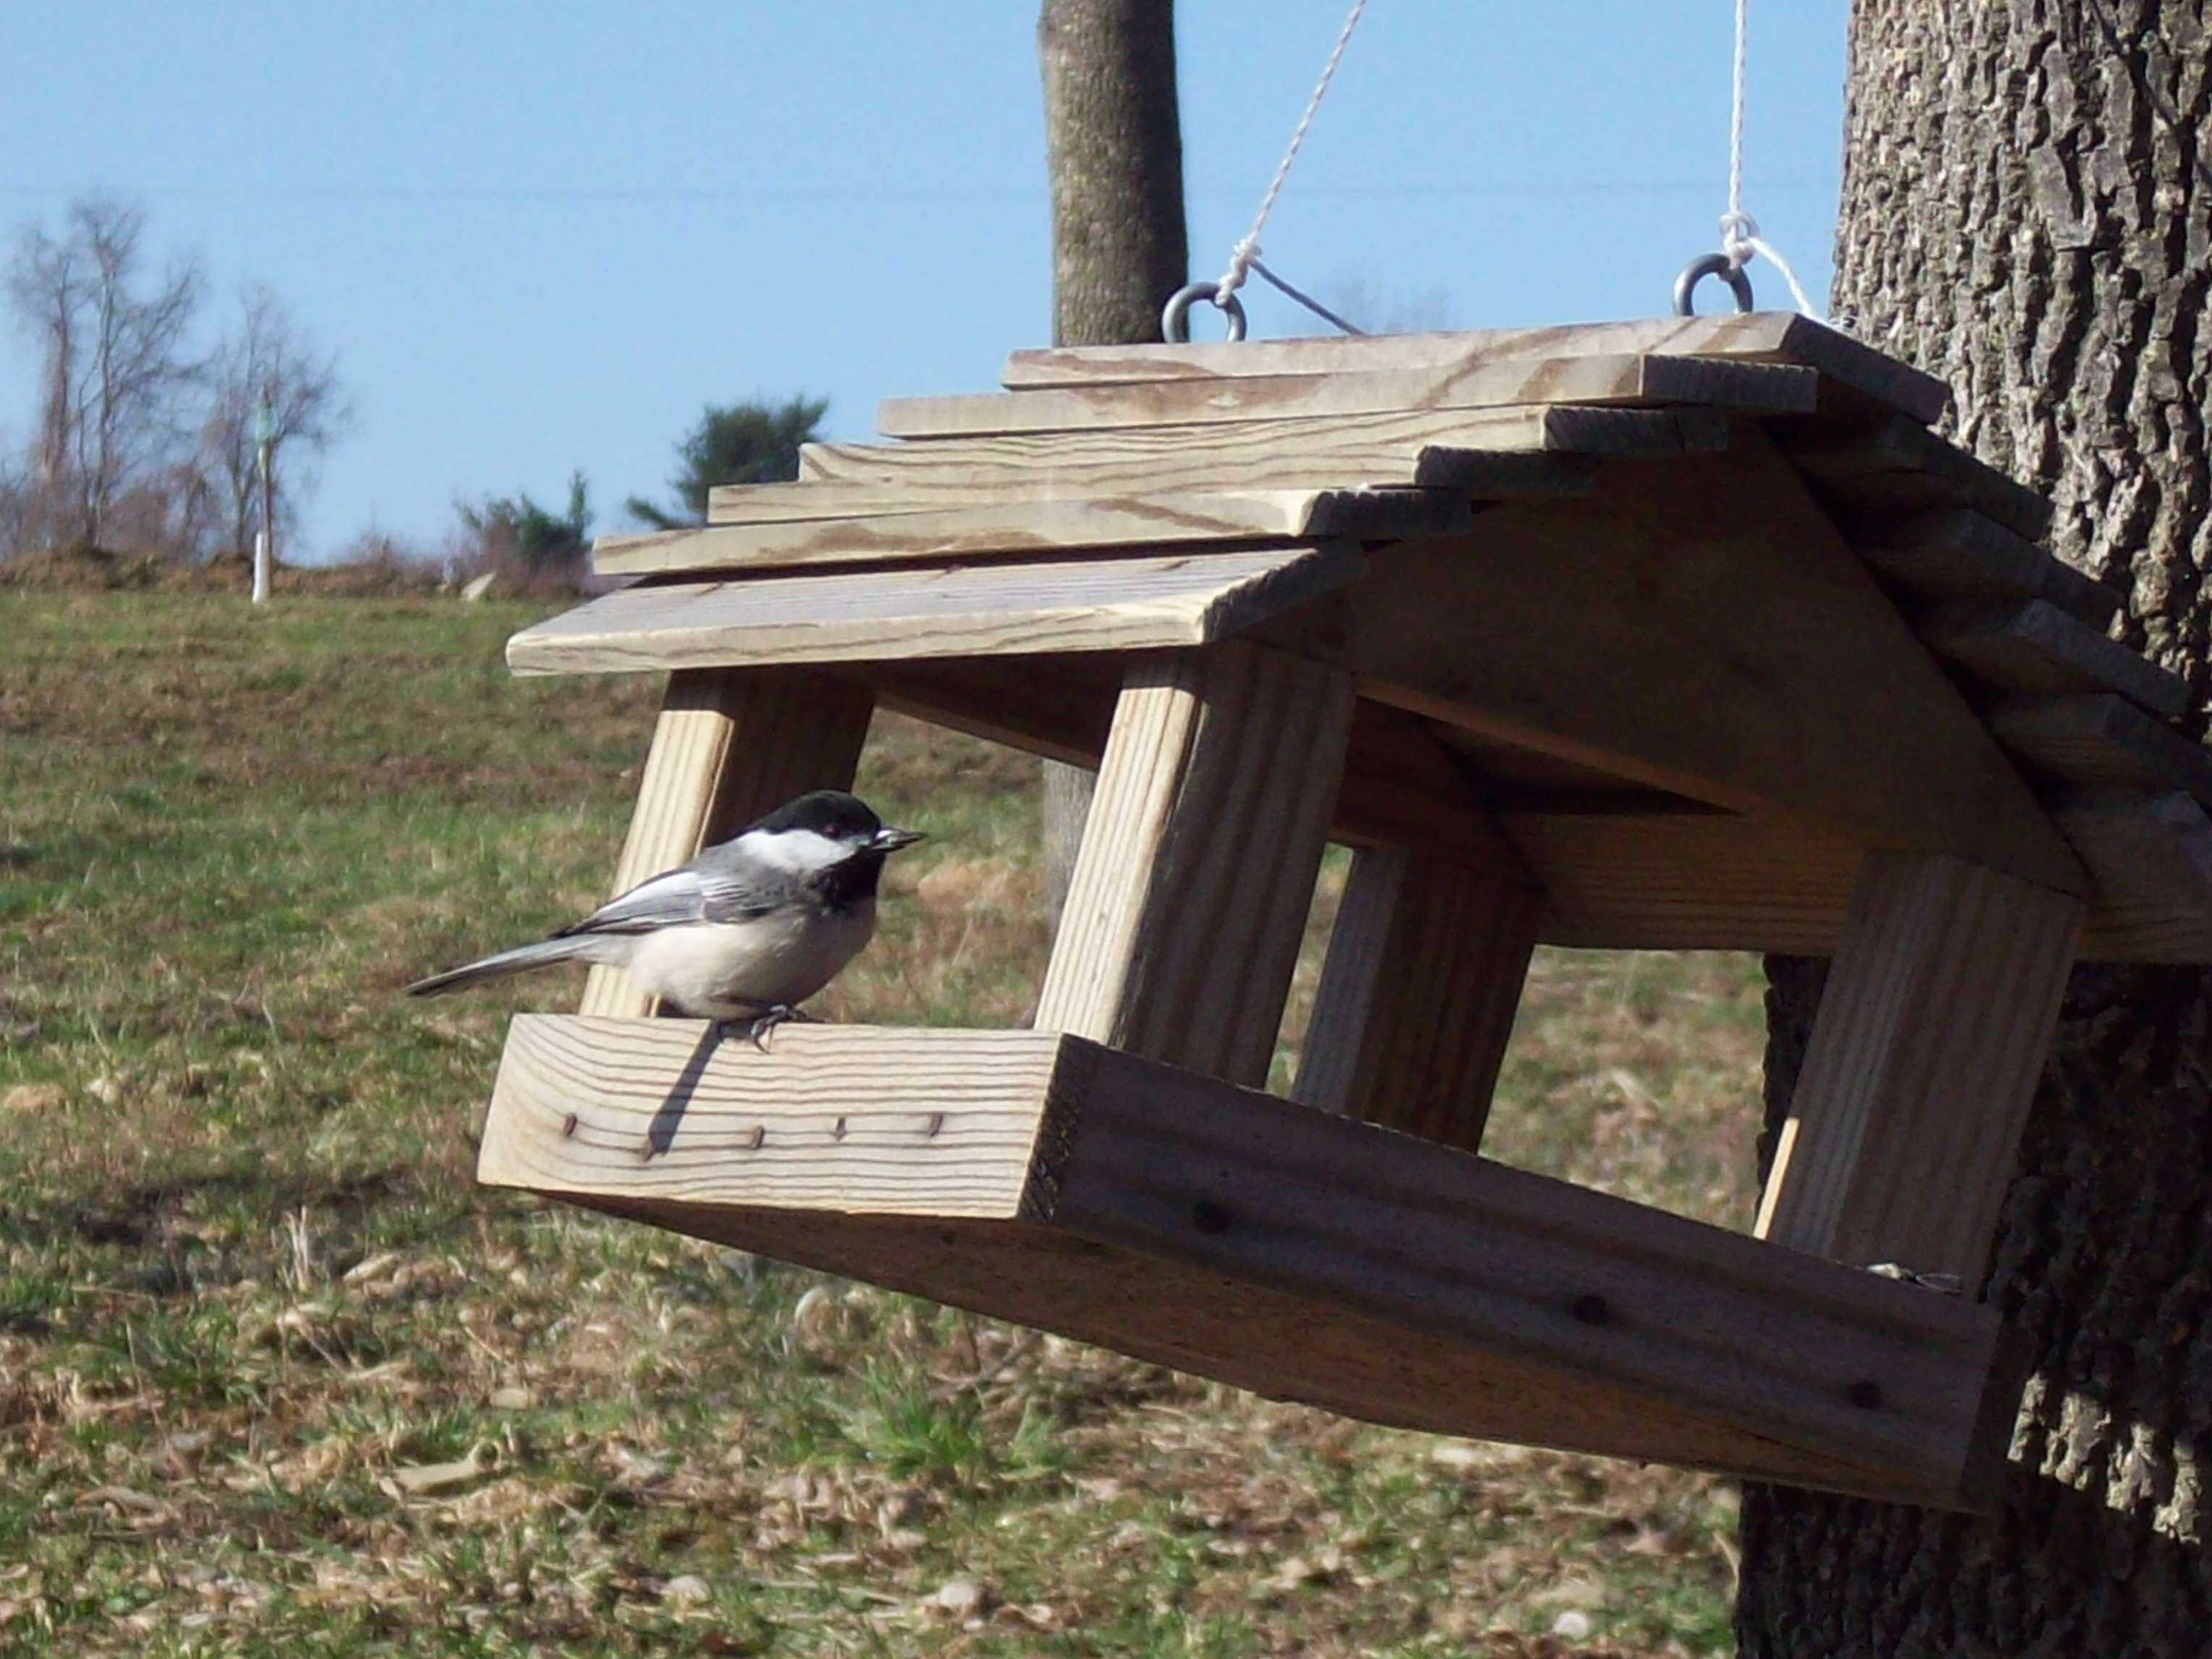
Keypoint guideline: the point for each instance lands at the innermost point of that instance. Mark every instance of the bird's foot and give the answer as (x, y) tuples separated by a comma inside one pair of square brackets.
[(782, 1013)]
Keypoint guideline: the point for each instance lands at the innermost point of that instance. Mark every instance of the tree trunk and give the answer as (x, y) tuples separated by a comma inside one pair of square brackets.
[(1113, 151), (2028, 212)]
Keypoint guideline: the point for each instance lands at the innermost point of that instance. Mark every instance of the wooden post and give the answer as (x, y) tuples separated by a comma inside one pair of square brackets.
[(731, 744), (1197, 867), (1417, 995), (1936, 1019)]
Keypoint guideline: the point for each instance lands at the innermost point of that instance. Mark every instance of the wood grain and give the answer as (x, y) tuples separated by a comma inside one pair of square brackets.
[(986, 528), (1747, 660), (1904, 1128), (1137, 603), (1953, 553), (730, 743), (1041, 1178), (1338, 451), (1417, 994), (2031, 646), (1717, 881), (1898, 465), (2101, 742), (1612, 379), (945, 1127), (1484, 474), (1196, 869), (1758, 336)]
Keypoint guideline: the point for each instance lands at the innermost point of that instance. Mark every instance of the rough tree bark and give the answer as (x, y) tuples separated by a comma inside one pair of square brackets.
[(1113, 152), (2028, 212)]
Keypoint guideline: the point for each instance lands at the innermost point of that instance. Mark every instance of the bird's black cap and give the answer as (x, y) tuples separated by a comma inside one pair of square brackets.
[(830, 812)]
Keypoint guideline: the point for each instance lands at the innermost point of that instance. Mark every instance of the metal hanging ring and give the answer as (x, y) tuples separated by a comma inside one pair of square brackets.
[(1175, 320), (1712, 265)]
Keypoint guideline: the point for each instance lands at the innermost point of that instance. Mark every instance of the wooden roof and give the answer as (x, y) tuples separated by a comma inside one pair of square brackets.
[(1693, 613)]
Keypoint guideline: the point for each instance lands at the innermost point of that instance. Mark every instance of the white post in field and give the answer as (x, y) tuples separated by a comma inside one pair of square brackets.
[(264, 542)]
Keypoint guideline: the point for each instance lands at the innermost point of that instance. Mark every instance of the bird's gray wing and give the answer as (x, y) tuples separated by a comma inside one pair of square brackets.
[(681, 897)]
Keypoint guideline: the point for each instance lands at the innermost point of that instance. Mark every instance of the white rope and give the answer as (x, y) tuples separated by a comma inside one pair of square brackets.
[(1740, 237), (1245, 256)]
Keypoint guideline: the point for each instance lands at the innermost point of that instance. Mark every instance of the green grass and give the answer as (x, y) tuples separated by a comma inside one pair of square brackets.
[(277, 1378)]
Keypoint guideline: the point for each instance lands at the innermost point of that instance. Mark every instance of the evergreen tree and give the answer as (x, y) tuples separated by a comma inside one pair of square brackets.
[(736, 444)]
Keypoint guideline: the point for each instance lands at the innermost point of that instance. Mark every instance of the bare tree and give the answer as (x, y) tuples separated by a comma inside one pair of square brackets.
[(115, 378), (1114, 155), (269, 357)]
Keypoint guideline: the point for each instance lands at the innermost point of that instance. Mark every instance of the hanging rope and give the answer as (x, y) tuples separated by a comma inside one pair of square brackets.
[(1244, 258), (1740, 237), (1246, 253)]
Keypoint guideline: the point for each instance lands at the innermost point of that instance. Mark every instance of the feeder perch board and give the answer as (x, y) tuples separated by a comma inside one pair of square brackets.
[(1675, 634)]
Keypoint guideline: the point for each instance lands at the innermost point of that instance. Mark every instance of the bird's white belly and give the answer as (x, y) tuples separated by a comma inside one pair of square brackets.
[(731, 970)]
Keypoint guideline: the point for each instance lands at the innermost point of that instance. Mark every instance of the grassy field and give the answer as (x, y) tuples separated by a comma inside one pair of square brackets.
[(276, 1378)]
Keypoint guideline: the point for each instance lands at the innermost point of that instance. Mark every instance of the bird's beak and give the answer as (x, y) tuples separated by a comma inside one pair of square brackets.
[(890, 841)]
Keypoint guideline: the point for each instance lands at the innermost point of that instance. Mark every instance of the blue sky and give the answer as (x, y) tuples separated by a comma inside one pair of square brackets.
[(542, 236)]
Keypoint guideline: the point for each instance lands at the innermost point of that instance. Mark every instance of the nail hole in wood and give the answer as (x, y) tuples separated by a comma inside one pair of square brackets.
[(568, 1126), (1209, 1217), (1865, 1394), (760, 1133), (1592, 1310)]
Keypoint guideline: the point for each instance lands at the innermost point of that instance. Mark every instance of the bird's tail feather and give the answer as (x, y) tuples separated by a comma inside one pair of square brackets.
[(519, 960)]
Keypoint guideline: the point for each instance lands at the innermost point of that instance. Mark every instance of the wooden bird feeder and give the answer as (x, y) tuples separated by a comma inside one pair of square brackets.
[(1672, 634)]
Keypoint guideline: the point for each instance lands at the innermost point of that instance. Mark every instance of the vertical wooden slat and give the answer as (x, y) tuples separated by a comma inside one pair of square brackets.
[(1936, 1019), (1417, 995), (730, 744), (1191, 888)]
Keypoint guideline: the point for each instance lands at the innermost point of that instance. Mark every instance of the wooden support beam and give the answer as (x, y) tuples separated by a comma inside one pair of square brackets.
[(1623, 880), (1197, 866), (1611, 379), (1757, 336), (1041, 1178), (730, 744), (1906, 1124), (1417, 994), (1725, 883), (2034, 647), (1144, 604), (1953, 553), (1714, 882), (987, 527)]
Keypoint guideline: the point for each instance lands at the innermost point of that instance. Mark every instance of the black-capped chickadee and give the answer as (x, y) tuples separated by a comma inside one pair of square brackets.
[(747, 931)]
